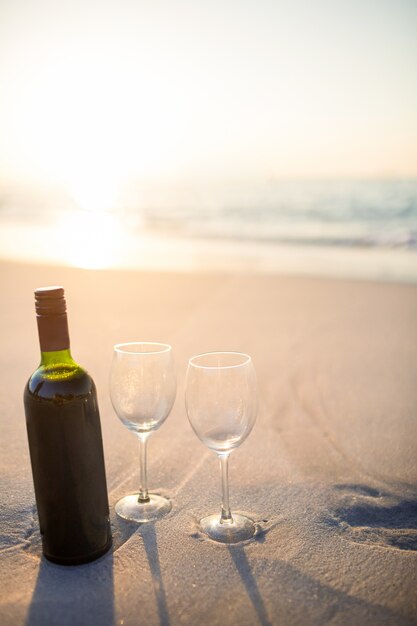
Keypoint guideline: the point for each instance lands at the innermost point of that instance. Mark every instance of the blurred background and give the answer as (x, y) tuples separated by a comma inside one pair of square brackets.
[(259, 135)]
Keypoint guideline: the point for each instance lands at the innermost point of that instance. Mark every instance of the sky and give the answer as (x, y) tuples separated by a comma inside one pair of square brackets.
[(94, 94)]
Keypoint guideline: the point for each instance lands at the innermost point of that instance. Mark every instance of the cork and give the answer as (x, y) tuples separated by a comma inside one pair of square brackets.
[(51, 315)]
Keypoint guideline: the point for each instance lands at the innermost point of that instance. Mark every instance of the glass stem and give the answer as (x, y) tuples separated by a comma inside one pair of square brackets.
[(143, 488), (226, 516)]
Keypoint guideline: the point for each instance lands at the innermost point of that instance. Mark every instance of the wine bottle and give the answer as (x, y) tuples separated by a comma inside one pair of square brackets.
[(65, 444)]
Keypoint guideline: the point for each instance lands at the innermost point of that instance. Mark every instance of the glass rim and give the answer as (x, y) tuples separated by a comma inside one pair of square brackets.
[(119, 347), (247, 359)]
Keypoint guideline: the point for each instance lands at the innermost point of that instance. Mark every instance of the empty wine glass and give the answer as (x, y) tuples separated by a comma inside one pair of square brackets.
[(221, 402), (142, 391)]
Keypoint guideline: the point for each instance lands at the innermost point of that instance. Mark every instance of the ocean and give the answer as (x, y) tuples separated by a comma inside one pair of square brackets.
[(365, 213), (359, 229)]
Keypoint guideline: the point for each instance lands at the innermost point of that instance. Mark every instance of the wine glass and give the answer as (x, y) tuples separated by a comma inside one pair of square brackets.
[(221, 402), (142, 391)]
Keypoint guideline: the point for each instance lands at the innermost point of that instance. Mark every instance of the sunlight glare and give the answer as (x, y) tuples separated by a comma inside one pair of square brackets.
[(91, 240), (94, 191), (103, 129)]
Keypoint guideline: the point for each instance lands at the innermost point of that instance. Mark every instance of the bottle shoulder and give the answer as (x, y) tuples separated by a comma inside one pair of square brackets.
[(62, 382)]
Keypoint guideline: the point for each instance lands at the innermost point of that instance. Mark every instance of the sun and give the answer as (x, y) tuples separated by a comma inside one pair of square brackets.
[(95, 191), (91, 239)]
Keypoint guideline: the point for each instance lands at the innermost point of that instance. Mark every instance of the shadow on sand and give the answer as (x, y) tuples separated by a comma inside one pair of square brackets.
[(69, 595), (244, 570), (83, 595), (151, 547), (76, 595)]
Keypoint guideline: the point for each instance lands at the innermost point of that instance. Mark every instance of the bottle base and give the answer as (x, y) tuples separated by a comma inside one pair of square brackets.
[(79, 560)]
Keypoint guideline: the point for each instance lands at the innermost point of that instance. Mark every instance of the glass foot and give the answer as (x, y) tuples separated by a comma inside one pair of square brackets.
[(131, 509), (240, 529)]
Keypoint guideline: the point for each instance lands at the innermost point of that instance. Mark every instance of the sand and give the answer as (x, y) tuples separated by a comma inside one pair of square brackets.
[(329, 472)]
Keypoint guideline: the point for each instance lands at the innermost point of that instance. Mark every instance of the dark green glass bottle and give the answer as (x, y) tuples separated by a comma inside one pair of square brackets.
[(65, 443)]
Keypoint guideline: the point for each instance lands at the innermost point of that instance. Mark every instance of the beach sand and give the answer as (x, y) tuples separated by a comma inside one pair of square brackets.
[(329, 472)]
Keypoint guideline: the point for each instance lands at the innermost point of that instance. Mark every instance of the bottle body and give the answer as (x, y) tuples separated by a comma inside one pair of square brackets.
[(66, 451), (65, 443)]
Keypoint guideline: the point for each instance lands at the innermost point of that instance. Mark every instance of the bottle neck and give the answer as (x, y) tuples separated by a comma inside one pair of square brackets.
[(57, 357), (53, 333)]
